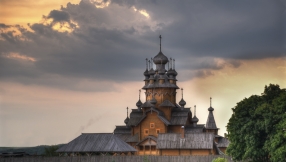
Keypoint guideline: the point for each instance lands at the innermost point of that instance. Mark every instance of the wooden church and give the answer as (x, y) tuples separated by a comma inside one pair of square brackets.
[(160, 126)]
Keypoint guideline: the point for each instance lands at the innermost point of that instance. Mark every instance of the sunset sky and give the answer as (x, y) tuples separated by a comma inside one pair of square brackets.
[(69, 67)]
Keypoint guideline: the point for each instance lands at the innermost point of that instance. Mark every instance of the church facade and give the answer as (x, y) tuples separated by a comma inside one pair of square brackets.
[(160, 126)]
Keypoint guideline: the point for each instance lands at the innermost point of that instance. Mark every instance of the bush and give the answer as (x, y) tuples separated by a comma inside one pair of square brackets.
[(219, 160)]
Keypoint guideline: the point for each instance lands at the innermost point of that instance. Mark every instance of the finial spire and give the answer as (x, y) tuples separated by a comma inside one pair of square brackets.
[(139, 93), (174, 64), (127, 112), (171, 62), (210, 102), (151, 62), (149, 65), (195, 109), (160, 42), (146, 63), (182, 92)]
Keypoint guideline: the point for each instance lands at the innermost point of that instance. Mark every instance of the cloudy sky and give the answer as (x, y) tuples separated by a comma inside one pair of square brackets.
[(71, 66)]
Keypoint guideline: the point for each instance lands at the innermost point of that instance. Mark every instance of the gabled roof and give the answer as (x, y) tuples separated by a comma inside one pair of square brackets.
[(180, 116), (122, 129), (211, 121), (135, 117), (147, 104), (134, 138), (191, 141), (160, 115), (166, 103), (147, 138), (123, 137), (97, 142)]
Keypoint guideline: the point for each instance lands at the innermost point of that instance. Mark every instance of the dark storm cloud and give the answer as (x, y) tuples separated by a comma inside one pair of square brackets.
[(59, 16), (4, 25), (112, 43)]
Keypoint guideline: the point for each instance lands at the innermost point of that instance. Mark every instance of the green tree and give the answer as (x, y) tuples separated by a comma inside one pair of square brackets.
[(257, 127), (51, 150)]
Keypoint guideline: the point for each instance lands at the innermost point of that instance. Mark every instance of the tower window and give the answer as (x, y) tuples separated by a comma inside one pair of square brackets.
[(146, 131), (152, 125), (157, 131)]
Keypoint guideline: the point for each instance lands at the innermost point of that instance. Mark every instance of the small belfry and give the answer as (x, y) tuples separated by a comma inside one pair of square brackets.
[(157, 126)]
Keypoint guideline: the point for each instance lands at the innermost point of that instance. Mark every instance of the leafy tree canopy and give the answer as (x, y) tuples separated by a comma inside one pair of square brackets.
[(257, 127)]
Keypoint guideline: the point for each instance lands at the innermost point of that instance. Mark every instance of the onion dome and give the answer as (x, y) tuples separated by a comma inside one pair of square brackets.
[(126, 120), (153, 101), (171, 72), (139, 104), (151, 72), (175, 73), (211, 109), (146, 73), (195, 119), (182, 102), (160, 58)]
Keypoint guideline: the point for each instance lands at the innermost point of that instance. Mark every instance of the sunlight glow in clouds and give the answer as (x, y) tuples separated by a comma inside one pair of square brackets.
[(64, 27), (14, 55), (142, 12), (100, 3)]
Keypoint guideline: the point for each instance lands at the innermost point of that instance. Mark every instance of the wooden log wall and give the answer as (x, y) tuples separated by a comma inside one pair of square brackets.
[(208, 158)]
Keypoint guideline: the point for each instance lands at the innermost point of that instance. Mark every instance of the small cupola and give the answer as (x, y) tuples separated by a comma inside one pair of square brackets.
[(127, 118), (160, 59), (195, 120), (139, 103), (211, 124), (146, 74), (182, 103)]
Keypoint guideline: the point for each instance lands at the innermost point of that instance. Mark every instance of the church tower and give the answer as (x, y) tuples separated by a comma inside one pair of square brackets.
[(160, 84), (160, 126)]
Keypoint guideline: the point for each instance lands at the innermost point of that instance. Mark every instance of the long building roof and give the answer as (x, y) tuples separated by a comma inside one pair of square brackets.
[(97, 142), (190, 141)]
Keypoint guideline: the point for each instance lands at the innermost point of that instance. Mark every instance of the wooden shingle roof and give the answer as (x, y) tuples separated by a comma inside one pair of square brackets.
[(138, 116), (223, 142), (191, 129), (167, 103), (122, 129), (135, 117), (134, 138), (191, 141), (123, 137), (179, 116), (97, 142), (211, 121)]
